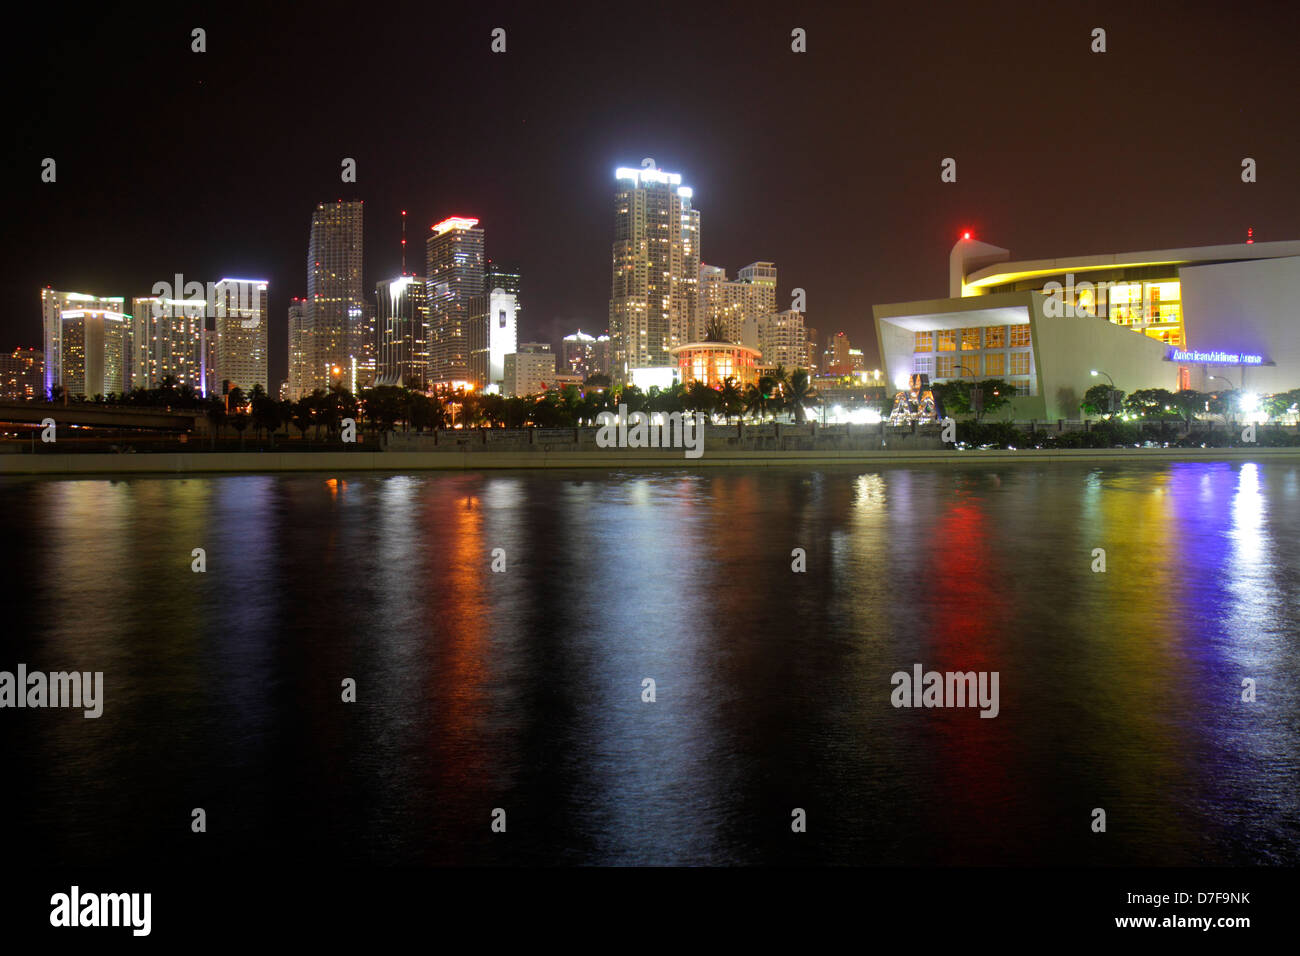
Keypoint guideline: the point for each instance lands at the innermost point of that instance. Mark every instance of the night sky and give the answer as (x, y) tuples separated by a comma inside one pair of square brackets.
[(826, 162)]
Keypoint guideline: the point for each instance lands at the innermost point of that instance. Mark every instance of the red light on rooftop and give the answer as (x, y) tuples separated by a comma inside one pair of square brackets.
[(966, 234)]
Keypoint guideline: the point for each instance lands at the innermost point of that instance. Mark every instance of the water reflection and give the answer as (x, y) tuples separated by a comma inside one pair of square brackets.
[(521, 688)]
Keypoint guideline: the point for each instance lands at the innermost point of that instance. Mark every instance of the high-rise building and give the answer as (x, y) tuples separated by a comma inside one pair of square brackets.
[(368, 356), (300, 349), (503, 277), (403, 333), (335, 300), (455, 268), (728, 303), (94, 351), (656, 268), (239, 316), (530, 370), (814, 353), (168, 340), (493, 334), (22, 376), (585, 355), (53, 305), (837, 358), (780, 337)]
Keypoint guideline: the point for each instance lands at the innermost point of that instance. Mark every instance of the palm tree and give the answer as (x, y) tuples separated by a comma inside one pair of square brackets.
[(304, 414), (758, 398), (731, 400), (801, 394), (701, 398), (714, 332)]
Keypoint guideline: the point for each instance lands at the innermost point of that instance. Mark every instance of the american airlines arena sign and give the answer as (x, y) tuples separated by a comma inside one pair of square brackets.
[(1215, 358)]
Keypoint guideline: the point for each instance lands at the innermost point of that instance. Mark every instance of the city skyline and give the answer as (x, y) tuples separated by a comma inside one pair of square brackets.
[(848, 202)]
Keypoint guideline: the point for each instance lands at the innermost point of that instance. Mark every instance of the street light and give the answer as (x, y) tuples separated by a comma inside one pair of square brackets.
[(1228, 405), (1110, 396), (976, 393)]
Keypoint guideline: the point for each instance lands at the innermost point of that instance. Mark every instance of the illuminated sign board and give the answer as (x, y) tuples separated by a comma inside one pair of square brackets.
[(1214, 358)]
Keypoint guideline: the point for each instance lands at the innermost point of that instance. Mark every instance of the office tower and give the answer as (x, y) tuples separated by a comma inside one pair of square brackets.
[(813, 363), (493, 334), (53, 305), (455, 267), (503, 277), (168, 339), (837, 357), (22, 376), (728, 303), (300, 349), (528, 371), (369, 361), (780, 337), (656, 268), (403, 330), (240, 330), (335, 300), (585, 355), (602, 359), (94, 351)]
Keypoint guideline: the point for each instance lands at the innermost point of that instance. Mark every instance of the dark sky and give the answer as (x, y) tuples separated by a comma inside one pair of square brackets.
[(826, 163)]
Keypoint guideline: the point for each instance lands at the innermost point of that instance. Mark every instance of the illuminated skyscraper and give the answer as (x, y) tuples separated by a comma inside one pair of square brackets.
[(729, 303), (455, 268), (167, 340), (22, 376), (239, 310), (94, 346), (300, 350), (585, 355), (335, 300), (780, 337), (656, 268), (53, 305), (403, 330), (493, 334)]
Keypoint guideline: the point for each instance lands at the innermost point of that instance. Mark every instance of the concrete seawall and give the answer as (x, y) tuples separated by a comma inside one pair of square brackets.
[(255, 462)]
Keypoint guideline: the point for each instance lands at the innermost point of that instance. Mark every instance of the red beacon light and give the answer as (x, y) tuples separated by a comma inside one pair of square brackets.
[(966, 234)]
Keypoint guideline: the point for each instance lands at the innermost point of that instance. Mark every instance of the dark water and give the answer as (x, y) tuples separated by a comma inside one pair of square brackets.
[(522, 690)]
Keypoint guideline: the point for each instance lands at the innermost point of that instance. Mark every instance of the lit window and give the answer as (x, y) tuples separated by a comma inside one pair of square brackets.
[(1020, 336), (1019, 363), (924, 342), (995, 337), (948, 340), (970, 340), (995, 364)]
